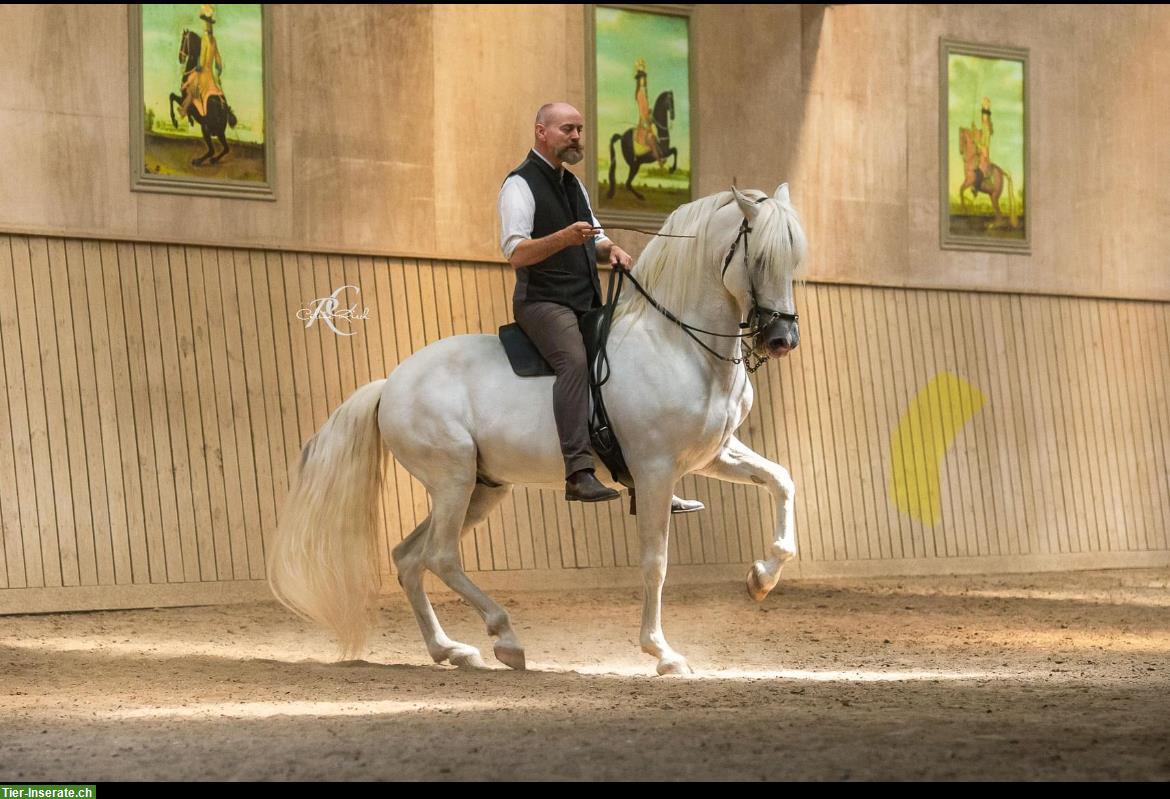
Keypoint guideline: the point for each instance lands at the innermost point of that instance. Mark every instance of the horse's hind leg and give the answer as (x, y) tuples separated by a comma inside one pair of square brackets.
[(630, 180), (226, 149), (408, 559), (210, 149), (442, 558)]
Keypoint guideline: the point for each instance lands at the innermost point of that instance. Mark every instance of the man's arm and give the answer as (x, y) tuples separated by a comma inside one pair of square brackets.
[(533, 251), (517, 208), (607, 251)]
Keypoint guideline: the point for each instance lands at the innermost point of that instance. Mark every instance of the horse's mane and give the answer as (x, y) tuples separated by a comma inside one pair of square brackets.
[(671, 269)]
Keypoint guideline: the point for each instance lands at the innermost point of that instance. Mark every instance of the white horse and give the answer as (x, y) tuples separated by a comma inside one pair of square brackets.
[(458, 419)]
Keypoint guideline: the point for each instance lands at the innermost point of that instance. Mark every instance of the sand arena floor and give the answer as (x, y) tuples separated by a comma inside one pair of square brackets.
[(1053, 676)]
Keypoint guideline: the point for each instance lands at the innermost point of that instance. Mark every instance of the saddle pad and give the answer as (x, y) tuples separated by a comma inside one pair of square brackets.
[(526, 360)]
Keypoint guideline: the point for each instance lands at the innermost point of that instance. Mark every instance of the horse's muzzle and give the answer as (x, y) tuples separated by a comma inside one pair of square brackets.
[(780, 338)]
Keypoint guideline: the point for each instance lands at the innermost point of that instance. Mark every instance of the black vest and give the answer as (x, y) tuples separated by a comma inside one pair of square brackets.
[(568, 277)]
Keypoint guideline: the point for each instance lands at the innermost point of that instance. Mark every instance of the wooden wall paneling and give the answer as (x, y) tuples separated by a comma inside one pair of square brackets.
[(198, 408), (171, 408), (14, 482), (77, 537), (39, 456)]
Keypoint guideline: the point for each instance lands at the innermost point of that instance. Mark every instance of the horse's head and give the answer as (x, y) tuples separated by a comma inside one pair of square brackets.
[(189, 44), (766, 247), (968, 147), (664, 111)]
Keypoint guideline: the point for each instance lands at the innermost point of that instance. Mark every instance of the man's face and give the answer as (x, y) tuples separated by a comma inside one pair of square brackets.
[(561, 135)]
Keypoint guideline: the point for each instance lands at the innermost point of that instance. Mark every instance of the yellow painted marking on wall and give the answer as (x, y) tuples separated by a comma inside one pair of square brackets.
[(921, 440)]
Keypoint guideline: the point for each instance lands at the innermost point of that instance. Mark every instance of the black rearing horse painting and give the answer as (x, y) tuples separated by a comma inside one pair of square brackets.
[(663, 114), (218, 114)]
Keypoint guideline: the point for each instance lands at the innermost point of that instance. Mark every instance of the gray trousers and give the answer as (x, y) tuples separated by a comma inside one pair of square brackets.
[(553, 329)]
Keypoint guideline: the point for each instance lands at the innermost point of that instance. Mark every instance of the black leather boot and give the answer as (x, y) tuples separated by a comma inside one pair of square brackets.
[(582, 486)]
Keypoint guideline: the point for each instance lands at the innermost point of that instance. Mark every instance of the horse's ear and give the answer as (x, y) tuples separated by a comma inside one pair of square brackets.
[(746, 204), (781, 194)]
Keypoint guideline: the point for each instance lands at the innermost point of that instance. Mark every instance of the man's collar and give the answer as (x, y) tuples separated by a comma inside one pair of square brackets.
[(559, 170)]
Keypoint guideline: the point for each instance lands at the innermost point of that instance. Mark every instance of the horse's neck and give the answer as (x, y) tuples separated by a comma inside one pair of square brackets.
[(700, 301)]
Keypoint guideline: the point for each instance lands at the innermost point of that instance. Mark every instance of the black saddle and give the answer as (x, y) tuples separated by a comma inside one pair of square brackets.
[(527, 361)]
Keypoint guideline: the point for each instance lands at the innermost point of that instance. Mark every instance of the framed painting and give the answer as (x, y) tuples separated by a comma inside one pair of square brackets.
[(983, 147), (200, 100), (641, 120)]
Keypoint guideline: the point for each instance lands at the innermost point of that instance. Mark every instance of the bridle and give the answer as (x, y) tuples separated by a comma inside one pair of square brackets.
[(759, 319)]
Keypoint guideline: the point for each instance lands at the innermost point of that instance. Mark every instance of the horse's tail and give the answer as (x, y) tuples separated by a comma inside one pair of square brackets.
[(231, 115), (323, 555), (1013, 212), (613, 161)]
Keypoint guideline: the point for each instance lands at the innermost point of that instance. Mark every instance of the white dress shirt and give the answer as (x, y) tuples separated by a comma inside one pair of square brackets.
[(517, 209)]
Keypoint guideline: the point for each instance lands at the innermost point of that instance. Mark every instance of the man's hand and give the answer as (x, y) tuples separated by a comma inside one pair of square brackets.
[(578, 233), (619, 257)]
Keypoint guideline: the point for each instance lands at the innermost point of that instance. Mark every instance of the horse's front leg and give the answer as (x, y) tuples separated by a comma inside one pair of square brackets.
[(737, 463), (654, 531)]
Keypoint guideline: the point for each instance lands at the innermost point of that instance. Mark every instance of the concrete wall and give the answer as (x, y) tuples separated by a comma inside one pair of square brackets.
[(395, 124)]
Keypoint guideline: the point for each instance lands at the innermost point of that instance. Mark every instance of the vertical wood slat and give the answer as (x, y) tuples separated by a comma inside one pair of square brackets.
[(13, 424), (216, 561), (1129, 347), (231, 417), (89, 469), (1160, 385), (148, 430), (41, 541), (1122, 425), (379, 366), (1158, 359), (60, 534), (76, 538), (958, 460), (168, 406), (1085, 419), (197, 409), (266, 406)]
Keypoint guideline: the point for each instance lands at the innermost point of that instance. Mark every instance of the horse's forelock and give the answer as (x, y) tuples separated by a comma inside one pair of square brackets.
[(782, 236)]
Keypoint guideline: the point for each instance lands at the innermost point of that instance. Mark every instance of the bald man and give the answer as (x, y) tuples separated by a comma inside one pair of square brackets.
[(550, 237)]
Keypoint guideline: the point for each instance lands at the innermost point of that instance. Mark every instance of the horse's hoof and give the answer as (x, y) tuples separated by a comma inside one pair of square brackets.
[(755, 588), (510, 656), (468, 660), (676, 666)]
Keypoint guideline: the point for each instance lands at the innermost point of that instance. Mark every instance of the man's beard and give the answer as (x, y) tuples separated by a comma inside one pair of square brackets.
[(571, 155)]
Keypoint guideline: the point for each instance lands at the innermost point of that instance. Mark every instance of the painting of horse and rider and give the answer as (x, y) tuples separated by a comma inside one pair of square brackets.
[(200, 71), (984, 146), (642, 153)]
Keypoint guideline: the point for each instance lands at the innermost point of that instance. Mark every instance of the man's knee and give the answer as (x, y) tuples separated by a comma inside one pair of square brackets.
[(572, 359)]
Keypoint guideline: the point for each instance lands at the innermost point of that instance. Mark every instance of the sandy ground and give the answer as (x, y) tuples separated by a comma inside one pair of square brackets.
[(1056, 676)]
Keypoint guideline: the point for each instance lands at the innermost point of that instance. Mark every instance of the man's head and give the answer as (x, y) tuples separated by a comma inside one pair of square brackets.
[(559, 128)]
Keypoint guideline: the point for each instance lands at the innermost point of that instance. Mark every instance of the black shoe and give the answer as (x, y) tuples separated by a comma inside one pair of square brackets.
[(582, 486), (678, 505)]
